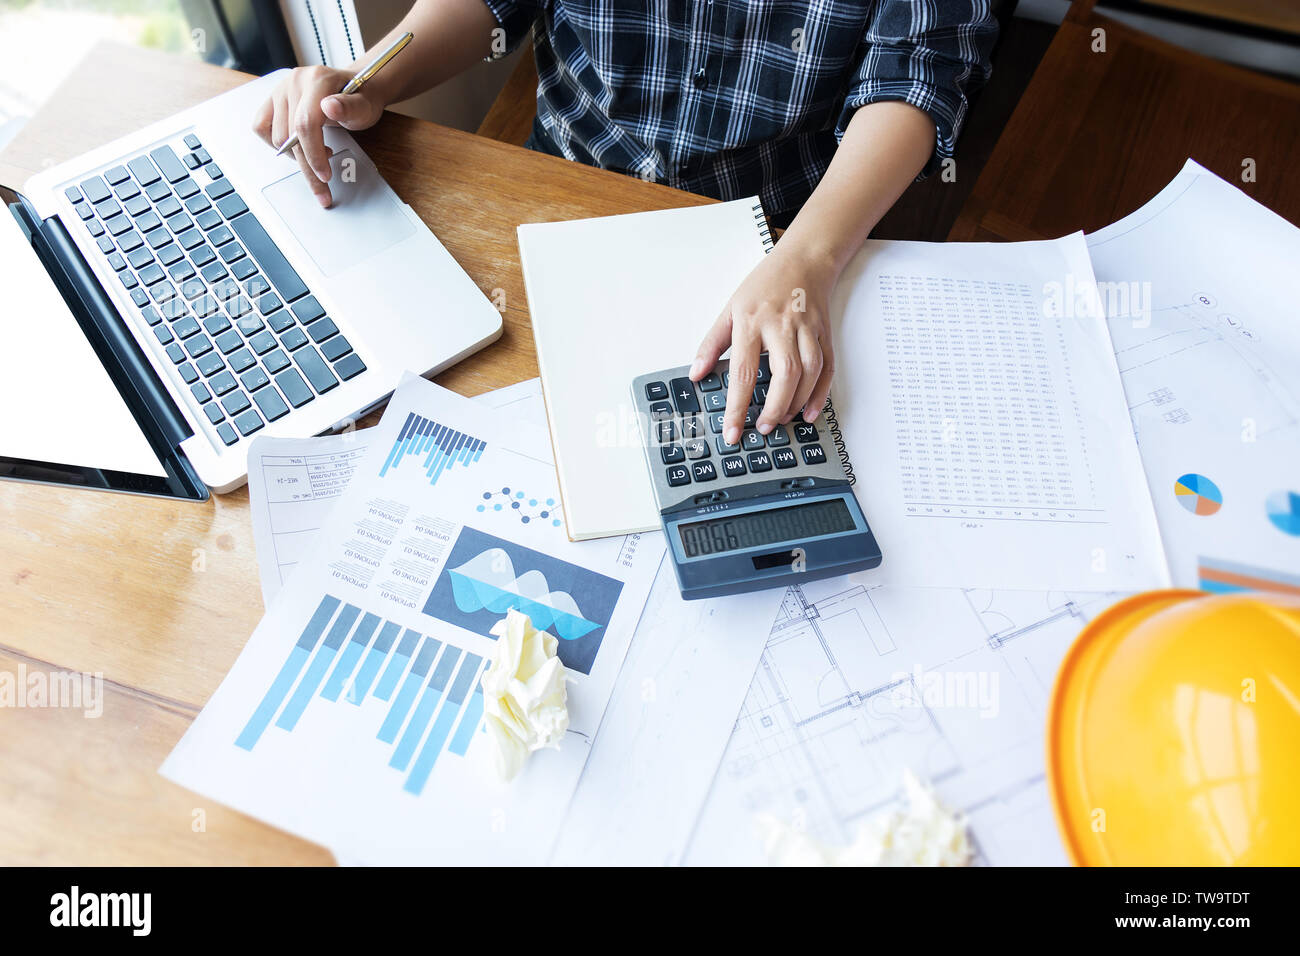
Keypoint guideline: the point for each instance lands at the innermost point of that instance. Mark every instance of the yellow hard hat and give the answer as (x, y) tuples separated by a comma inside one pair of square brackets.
[(1173, 736)]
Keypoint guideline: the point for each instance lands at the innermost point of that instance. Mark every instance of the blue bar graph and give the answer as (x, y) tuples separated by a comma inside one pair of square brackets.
[(348, 659), (438, 446), (433, 683), (442, 726)]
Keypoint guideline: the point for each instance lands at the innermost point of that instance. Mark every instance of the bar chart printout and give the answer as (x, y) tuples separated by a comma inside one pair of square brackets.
[(437, 447), (431, 687)]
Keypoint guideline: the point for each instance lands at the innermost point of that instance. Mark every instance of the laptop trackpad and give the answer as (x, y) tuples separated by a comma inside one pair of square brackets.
[(365, 219)]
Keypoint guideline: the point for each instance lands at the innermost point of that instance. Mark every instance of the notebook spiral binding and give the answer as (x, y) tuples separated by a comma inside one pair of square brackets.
[(764, 233), (837, 438)]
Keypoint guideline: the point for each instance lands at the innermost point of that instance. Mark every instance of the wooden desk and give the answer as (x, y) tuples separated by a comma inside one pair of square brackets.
[(1096, 135), (160, 597)]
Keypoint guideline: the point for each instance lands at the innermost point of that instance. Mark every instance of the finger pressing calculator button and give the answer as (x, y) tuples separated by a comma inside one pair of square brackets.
[(661, 410), (805, 432), (751, 440), (715, 401), (656, 391), (696, 448), (711, 382), (778, 437), (665, 432), (715, 422), (733, 467), (692, 427), (751, 415), (684, 396), (759, 461), (760, 395), (672, 454), (678, 475), (704, 471), (724, 448), (764, 373), (813, 454), (784, 457)]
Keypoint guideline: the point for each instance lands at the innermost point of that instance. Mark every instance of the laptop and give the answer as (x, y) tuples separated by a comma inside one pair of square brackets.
[(172, 295)]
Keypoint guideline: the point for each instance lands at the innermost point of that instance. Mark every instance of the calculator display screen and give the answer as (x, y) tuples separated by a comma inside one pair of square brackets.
[(757, 528)]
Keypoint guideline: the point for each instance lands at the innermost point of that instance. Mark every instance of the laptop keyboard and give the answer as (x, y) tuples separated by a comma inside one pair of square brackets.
[(242, 328)]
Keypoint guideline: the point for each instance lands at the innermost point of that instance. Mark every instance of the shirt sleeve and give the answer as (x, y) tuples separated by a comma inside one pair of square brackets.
[(930, 53), (516, 18)]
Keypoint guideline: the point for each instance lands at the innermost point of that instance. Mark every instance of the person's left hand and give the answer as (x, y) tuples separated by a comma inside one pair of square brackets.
[(781, 309)]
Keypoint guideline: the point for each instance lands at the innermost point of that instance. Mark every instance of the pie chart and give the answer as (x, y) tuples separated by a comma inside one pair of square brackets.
[(1199, 495), (1283, 508)]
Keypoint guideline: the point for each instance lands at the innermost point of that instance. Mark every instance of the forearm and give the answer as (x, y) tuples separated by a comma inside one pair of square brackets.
[(449, 37), (884, 148)]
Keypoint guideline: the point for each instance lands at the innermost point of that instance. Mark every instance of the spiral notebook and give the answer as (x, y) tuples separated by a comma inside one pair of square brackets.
[(611, 299)]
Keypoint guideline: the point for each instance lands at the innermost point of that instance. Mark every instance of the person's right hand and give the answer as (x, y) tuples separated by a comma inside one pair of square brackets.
[(306, 101)]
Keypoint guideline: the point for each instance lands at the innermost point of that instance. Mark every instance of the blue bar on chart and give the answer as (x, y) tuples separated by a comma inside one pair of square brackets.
[(444, 446), (424, 709), (293, 666), (401, 705), (465, 679), (405, 651), (374, 660), (348, 659), (303, 693), (469, 723)]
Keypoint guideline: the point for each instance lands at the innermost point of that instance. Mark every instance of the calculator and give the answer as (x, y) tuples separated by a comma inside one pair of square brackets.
[(769, 511)]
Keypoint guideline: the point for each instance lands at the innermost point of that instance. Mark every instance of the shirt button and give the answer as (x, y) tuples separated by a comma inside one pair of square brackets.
[(700, 78)]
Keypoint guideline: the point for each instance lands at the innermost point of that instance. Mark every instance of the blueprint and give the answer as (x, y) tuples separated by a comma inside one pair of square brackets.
[(859, 682)]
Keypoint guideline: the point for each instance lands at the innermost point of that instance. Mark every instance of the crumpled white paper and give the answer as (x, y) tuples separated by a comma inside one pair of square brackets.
[(925, 834), (524, 696)]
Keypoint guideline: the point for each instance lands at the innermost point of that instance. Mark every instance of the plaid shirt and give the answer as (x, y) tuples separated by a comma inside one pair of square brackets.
[(732, 98)]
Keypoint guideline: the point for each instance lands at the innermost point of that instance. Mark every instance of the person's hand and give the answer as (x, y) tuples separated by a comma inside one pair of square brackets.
[(305, 102), (780, 308)]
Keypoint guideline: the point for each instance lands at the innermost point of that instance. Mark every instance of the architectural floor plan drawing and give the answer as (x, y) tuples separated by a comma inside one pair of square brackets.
[(859, 682)]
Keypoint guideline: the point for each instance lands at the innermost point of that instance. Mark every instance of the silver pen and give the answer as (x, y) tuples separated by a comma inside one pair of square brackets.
[(359, 80)]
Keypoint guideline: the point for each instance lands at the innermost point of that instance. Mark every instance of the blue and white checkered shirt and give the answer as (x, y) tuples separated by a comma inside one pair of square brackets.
[(733, 98)]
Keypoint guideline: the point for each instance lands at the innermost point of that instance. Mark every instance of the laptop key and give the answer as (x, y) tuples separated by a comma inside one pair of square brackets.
[(268, 303), (253, 379), (129, 242), (158, 238), (188, 374), (274, 361), (117, 262), (158, 191), (243, 359), (235, 402), (73, 194), (232, 206), (350, 366), (176, 353), (227, 433), (187, 188), (262, 342), (181, 271), (314, 367), (217, 325), (213, 171), (214, 413), (94, 189), (208, 220), (138, 257), (163, 291), (117, 174), (228, 341), (271, 404), (171, 167), (322, 329), (200, 393), (230, 252), (203, 255), (173, 309), (336, 348), (190, 239), (128, 279), (239, 306), (198, 345), (220, 236), (280, 320), (308, 310), (151, 315), (202, 154), (105, 244), (295, 338), (186, 327), (149, 274), (214, 271), (117, 225), (210, 364), (250, 325), (192, 161), (199, 204), (170, 254), (144, 171), (256, 286), (107, 209), (223, 383), (139, 298), (84, 211), (205, 305), (95, 228), (136, 206), (274, 265), (164, 334), (219, 188), (192, 141), (179, 222), (248, 422), (126, 190), (244, 268), (294, 388)]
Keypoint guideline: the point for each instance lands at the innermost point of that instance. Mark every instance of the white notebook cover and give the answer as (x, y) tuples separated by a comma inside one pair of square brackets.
[(611, 299)]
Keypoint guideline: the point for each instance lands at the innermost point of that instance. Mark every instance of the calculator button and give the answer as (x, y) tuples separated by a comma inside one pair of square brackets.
[(672, 454), (760, 394), (726, 378), (751, 415), (764, 373), (684, 396), (661, 410), (665, 432), (656, 391), (814, 455), (784, 458), (692, 427), (733, 467), (711, 382), (724, 448), (778, 437), (678, 475), (715, 423), (715, 401), (696, 448), (759, 461), (704, 471), (805, 432), (751, 440)]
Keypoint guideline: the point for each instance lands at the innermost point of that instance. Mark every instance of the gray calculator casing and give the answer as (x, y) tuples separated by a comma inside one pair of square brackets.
[(770, 565)]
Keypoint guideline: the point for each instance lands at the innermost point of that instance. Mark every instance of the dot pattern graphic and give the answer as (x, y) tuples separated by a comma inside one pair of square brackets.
[(528, 509)]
